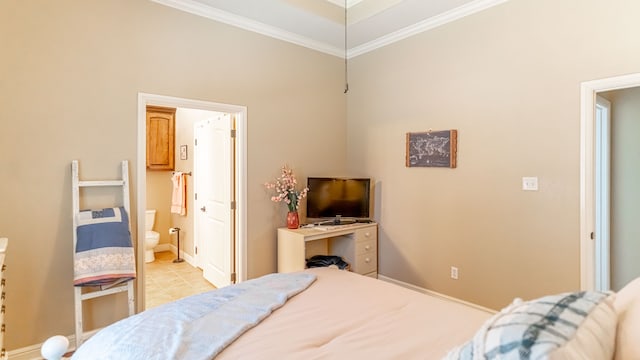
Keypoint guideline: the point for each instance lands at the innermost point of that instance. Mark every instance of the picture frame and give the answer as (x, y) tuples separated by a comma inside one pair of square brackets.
[(183, 152), (432, 149)]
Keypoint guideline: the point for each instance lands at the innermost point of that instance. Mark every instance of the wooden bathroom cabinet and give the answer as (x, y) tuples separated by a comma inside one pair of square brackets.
[(160, 138)]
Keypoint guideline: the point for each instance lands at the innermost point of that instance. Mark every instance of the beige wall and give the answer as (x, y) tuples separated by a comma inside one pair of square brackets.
[(625, 193), (508, 79), (71, 71)]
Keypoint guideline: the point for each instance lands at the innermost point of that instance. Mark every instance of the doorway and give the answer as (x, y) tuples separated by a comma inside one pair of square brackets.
[(239, 181), (592, 266)]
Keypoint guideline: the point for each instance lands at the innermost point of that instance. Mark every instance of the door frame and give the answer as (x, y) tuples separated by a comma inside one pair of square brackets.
[(602, 204), (588, 93), (240, 164)]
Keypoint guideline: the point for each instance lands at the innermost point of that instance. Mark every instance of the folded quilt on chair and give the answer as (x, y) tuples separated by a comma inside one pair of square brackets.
[(104, 254)]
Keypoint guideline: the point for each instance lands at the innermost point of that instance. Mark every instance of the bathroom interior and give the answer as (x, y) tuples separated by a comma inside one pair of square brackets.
[(165, 278)]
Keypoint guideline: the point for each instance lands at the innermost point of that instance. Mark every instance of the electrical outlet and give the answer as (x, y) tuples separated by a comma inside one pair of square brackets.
[(454, 273), (530, 183)]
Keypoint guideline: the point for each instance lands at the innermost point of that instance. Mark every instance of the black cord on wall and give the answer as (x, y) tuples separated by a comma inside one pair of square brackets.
[(346, 65)]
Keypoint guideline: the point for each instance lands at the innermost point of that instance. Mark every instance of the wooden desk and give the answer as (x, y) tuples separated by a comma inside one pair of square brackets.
[(356, 243)]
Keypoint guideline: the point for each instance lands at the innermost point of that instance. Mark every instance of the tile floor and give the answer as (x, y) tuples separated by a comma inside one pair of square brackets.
[(168, 281)]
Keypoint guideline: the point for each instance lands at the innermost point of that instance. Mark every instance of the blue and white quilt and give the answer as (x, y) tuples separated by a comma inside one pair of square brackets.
[(104, 254), (196, 327)]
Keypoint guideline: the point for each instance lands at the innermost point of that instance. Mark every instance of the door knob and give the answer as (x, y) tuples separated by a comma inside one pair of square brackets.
[(203, 209)]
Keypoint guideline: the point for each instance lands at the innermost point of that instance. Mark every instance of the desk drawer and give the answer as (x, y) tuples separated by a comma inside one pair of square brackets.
[(366, 247), (366, 263), (365, 234)]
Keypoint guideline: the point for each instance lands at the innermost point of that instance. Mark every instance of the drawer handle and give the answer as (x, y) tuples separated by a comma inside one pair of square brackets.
[(367, 234), (368, 247), (367, 260)]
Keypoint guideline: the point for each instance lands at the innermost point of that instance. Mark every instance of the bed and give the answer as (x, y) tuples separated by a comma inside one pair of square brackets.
[(339, 314)]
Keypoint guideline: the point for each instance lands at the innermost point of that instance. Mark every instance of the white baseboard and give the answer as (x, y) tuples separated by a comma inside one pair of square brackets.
[(32, 352), (161, 248), (170, 247), (188, 258), (434, 293), (26, 353)]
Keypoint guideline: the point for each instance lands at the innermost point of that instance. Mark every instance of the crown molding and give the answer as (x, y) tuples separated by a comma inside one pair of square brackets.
[(251, 25), (199, 9), (340, 3), (425, 25)]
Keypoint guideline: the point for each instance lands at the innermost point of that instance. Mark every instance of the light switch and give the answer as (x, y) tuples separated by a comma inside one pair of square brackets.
[(530, 183)]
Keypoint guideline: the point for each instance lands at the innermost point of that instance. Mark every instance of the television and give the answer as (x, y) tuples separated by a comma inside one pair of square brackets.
[(337, 201)]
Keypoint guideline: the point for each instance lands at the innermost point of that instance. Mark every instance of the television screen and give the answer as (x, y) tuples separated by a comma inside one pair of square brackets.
[(338, 197)]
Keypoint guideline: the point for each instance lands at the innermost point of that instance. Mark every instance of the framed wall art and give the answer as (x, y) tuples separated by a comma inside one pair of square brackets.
[(432, 149)]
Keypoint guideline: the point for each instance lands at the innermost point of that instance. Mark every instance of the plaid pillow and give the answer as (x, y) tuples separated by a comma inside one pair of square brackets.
[(577, 325)]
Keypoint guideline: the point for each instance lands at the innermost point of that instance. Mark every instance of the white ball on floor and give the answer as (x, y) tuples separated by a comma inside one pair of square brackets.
[(54, 347)]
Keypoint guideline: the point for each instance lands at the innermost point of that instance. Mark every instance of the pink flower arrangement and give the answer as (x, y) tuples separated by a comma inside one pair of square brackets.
[(285, 187)]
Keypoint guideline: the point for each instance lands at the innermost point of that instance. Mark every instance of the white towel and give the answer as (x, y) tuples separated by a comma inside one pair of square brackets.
[(179, 193)]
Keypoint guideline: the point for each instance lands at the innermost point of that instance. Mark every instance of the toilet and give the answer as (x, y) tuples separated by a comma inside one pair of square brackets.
[(151, 237)]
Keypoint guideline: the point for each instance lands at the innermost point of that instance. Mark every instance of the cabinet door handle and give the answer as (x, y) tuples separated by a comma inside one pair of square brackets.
[(203, 209)]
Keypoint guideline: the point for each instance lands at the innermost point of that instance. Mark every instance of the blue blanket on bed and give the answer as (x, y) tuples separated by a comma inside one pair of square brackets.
[(104, 253), (196, 327)]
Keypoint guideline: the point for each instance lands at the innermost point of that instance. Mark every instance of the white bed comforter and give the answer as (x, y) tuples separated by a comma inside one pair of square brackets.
[(349, 316), (197, 327), (342, 315)]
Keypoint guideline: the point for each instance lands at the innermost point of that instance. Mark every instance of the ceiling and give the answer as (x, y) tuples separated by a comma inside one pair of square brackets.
[(319, 24)]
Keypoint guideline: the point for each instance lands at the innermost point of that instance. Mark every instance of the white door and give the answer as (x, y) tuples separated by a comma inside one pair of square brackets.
[(213, 176)]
